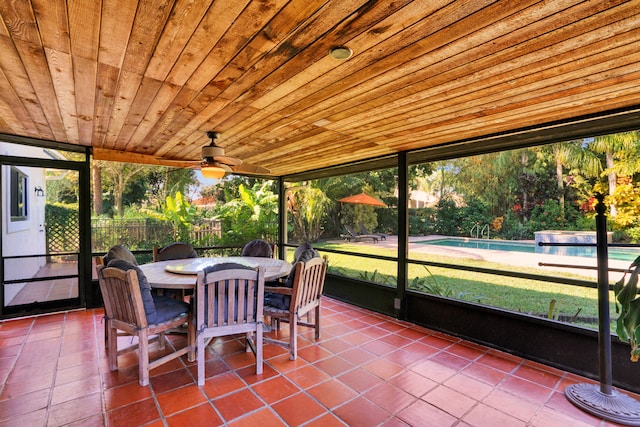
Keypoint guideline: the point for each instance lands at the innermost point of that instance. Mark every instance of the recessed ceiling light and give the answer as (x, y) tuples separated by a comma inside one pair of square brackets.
[(340, 52)]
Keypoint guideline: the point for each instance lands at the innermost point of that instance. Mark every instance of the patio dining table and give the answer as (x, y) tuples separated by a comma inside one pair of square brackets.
[(181, 273)]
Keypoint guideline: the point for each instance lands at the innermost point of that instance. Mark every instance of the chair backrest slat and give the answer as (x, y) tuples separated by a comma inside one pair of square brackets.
[(227, 294), (231, 297), (308, 283), (242, 298), (121, 296)]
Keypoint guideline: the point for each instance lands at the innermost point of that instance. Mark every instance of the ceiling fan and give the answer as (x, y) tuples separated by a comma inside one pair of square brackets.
[(215, 164)]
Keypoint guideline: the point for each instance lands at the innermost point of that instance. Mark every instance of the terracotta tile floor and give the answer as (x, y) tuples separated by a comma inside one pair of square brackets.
[(366, 370), (48, 290)]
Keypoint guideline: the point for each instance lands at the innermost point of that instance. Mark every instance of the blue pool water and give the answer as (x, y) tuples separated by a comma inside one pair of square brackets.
[(621, 254)]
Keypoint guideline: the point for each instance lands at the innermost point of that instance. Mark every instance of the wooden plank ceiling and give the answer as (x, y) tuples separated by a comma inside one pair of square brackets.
[(143, 80)]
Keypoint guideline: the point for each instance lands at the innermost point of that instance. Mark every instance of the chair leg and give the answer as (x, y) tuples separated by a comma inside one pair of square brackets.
[(161, 340), (258, 344), (191, 340), (293, 341), (248, 338), (200, 345), (106, 333), (112, 349), (317, 321), (143, 357)]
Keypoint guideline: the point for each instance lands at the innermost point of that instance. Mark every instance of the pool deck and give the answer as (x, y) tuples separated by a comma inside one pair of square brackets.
[(511, 258)]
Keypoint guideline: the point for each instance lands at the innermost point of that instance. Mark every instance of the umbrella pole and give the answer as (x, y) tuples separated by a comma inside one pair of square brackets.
[(602, 401)]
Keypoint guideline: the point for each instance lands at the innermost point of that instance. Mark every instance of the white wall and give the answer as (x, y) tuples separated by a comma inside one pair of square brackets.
[(23, 237)]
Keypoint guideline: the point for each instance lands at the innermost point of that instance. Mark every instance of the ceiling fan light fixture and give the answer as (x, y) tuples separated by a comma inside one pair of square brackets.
[(212, 171), (340, 52)]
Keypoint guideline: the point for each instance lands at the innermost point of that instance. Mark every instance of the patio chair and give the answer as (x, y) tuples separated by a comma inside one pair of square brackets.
[(99, 261), (305, 294), (363, 230), (352, 234), (120, 252), (177, 250), (115, 252), (229, 301), (129, 307), (259, 248)]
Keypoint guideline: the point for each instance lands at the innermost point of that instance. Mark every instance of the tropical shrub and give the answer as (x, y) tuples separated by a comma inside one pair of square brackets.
[(514, 229), (387, 221), (626, 198), (550, 216), (181, 213), (633, 234), (251, 215), (354, 214), (475, 212), (449, 218), (422, 221), (628, 308)]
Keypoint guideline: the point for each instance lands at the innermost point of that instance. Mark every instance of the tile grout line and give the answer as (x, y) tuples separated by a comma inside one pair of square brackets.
[(55, 369), (17, 356), (96, 348)]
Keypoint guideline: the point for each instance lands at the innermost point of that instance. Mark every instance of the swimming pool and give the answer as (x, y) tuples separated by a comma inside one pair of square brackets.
[(510, 246)]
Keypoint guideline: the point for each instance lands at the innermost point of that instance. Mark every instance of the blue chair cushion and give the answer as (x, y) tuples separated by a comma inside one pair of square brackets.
[(168, 308), (145, 288), (278, 301)]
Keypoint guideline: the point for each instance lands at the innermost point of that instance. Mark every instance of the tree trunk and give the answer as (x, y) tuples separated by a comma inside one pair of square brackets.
[(118, 190), (96, 176), (613, 180), (560, 183), (524, 160)]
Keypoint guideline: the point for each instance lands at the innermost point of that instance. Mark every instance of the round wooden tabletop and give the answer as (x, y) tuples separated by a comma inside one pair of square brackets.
[(181, 273)]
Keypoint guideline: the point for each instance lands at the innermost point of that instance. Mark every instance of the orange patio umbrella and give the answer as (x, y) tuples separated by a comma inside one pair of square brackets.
[(363, 199)]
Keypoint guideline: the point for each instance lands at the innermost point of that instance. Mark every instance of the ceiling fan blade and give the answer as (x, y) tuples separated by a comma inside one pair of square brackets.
[(228, 160), (213, 154), (217, 154)]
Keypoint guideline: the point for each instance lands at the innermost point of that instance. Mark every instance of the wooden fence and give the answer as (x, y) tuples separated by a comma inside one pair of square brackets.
[(144, 233)]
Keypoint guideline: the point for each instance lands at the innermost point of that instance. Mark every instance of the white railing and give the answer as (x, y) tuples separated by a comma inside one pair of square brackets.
[(478, 232), (484, 233)]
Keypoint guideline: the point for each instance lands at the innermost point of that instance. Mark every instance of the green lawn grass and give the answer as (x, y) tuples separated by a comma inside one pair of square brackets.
[(544, 298)]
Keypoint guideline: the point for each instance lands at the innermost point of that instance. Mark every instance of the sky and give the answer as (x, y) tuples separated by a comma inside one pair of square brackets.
[(194, 191)]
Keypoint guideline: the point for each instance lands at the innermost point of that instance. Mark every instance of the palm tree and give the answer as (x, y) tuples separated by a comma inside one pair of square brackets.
[(308, 206), (614, 147), (572, 154)]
